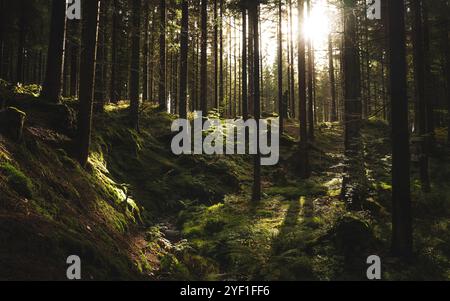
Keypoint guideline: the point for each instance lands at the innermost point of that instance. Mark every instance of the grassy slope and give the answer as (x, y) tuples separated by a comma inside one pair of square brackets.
[(190, 217)]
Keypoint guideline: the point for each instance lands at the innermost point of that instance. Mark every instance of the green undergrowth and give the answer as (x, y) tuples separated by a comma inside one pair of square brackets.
[(158, 178), (132, 180), (113, 214), (430, 210), (292, 234)]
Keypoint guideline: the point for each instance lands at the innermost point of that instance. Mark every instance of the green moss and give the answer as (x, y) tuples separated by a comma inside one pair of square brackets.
[(305, 188), (17, 180)]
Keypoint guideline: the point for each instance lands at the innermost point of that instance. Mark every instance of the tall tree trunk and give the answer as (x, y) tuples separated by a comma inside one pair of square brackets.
[(145, 51), (353, 189), (87, 76), (197, 62), (216, 56), (429, 84), (74, 58), (253, 12), (21, 45), (114, 91), (280, 67), (367, 99), (235, 69), (162, 56), (244, 64), (261, 70), (51, 90), (2, 39), (291, 64), (446, 56), (66, 68), (303, 146), (135, 59), (333, 117), (310, 83), (204, 58), (151, 71), (251, 89), (221, 75), (401, 195), (100, 74), (184, 48), (419, 77), (230, 65)]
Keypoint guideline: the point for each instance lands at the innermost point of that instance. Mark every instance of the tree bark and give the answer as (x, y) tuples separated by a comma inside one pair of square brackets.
[(281, 112), (203, 58), (145, 51), (22, 37), (74, 59), (2, 39), (304, 171), (216, 56), (421, 101), (333, 117), (221, 75), (151, 66), (100, 73), (162, 56), (401, 195), (135, 68), (244, 65), (253, 12), (445, 45), (87, 76), (51, 90), (184, 48), (353, 186), (114, 91), (291, 64), (310, 83)]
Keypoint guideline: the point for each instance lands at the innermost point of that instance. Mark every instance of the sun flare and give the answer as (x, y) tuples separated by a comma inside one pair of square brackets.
[(317, 25)]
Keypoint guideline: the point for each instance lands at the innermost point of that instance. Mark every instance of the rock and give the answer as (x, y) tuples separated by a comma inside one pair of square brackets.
[(59, 117), (65, 119), (352, 236), (172, 235), (12, 122)]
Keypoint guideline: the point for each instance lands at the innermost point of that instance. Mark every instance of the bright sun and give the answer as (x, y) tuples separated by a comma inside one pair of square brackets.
[(317, 27)]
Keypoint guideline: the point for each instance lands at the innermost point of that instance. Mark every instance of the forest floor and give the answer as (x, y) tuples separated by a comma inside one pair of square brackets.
[(140, 212), (301, 230)]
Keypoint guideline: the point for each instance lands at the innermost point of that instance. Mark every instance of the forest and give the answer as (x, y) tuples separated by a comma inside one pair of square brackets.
[(351, 98)]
